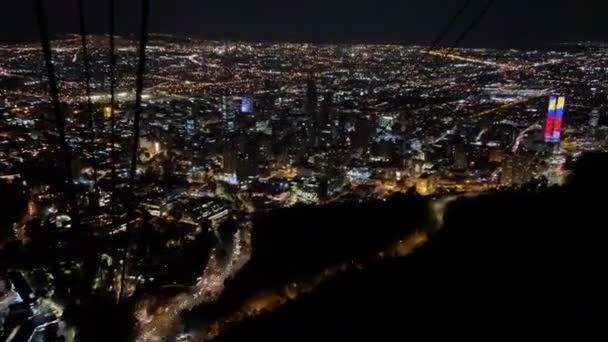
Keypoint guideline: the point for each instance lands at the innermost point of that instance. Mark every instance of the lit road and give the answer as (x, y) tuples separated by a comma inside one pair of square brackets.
[(460, 58), (339, 197), (522, 135), (192, 58), (511, 105), (439, 206), (156, 324), (269, 301)]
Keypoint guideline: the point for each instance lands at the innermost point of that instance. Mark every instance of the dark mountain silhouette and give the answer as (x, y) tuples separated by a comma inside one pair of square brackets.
[(511, 262), (296, 244)]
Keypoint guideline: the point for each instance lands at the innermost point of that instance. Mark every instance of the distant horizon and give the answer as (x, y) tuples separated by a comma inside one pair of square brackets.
[(508, 24), (135, 37)]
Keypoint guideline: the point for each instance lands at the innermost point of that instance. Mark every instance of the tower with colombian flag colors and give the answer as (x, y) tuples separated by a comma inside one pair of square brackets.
[(555, 117)]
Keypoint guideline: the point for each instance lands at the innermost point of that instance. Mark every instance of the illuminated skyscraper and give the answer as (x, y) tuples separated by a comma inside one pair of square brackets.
[(247, 105), (322, 121), (228, 113), (555, 116), (311, 108), (191, 127)]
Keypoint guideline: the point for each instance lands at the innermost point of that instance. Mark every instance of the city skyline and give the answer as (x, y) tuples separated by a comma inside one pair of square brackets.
[(181, 186)]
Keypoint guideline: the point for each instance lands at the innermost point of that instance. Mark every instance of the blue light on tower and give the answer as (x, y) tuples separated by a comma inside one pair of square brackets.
[(246, 104)]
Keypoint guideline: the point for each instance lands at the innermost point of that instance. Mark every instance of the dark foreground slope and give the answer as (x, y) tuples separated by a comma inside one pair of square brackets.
[(506, 263), (297, 244), (13, 199)]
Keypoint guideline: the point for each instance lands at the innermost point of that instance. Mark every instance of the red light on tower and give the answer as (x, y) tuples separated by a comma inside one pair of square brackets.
[(549, 128), (559, 118)]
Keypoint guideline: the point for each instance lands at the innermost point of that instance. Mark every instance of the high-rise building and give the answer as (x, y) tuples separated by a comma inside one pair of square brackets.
[(323, 125), (246, 105), (326, 111), (363, 132), (555, 116), (248, 159), (559, 118), (386, 123), (76, 166), (550, 119), (196, 109), (228, 113), (230, 155), (191, 127), (312, 98), (594, 119), (311, 109), (460, 158), (245, 119)]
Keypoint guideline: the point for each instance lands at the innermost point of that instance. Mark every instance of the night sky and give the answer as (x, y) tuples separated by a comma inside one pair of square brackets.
[(510, 23)]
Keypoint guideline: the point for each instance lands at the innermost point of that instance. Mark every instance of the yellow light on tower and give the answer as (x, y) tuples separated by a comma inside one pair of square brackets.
[(107, 112), (561, 102)]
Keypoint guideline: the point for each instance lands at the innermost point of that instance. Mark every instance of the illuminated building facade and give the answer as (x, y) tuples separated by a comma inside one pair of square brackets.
[(555, 117), (228, 113), (247, 104), (424, 185)]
